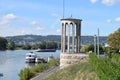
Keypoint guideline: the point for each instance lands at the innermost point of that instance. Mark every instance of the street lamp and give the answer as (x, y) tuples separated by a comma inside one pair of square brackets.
[(95, 44), (98, 44)]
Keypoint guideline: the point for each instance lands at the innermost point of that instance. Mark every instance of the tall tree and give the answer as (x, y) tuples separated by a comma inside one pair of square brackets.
[(3, 43), (114, 39)]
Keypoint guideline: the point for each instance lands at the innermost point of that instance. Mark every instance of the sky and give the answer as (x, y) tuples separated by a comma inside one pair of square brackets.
[(42, 17)]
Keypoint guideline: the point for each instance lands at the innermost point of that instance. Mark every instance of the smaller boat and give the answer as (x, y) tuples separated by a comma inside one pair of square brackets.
[(46, 50), (30, 57), (40, 60)]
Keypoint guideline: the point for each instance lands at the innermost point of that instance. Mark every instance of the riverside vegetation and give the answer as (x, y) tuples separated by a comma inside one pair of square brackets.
[(28, 73), (104, 68)]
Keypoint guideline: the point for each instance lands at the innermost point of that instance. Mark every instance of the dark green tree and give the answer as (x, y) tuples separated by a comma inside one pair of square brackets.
[(91, 48), (11, 46), (3, 43), (35, 46), (51, 45), (42, 45), (27, 47)]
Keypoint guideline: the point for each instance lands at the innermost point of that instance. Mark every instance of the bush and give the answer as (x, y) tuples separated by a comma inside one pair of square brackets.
[(39, 68), (25, 74), (54, 62)]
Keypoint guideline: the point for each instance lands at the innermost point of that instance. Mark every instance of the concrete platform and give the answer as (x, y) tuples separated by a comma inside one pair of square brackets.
[(67, 59)]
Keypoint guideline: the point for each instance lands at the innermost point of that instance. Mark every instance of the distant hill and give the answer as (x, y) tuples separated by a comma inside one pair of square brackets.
[(33, 39)]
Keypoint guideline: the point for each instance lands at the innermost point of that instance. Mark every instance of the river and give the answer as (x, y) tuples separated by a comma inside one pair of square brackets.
[(11, 62)]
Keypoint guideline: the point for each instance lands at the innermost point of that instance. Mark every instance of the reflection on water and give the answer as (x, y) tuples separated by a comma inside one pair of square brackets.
[(11, 62), (29, 65)]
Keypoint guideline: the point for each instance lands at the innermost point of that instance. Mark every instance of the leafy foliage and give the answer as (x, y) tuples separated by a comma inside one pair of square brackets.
[(91, 48), (114, 39), (48, 45), (11, 46), (106, 68), (27, 73), (84, 48)]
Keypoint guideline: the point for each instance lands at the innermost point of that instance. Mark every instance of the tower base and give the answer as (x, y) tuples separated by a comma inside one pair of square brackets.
[(67, 59)]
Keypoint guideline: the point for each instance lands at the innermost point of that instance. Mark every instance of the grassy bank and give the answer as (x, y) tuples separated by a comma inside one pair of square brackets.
[(95, 69), (27, 73), (81, 71)]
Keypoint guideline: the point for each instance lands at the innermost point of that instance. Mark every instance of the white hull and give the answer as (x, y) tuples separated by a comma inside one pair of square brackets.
[(32, 58)]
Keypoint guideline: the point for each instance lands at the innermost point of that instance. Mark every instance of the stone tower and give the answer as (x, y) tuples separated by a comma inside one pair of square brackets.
[(70, 42)]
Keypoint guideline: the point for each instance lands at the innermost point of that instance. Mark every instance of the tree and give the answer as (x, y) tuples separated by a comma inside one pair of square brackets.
[(42, 45), (91, 48), (11, 46), (84, 48), (3, 43), (48, 45), (114, 39), (26, 47)]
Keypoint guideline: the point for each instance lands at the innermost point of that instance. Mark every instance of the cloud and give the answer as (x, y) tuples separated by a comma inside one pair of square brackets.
[(10, 17), (34, 23), (110, 2), (40, 28), (109, 21), (6, 20), (23, 32), (114, 20), (93, 1), (117, 19), (58, 30), (106, 2), (55, 14)]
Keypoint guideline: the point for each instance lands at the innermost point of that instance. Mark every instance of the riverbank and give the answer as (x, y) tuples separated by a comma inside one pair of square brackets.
[(28, 73), (46, 73)]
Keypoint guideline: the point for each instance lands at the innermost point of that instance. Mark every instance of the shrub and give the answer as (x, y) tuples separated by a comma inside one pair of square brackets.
[(53, 62), (106, 68), (25, 74)]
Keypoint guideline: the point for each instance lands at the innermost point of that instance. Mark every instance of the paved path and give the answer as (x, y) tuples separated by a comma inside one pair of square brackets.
[(45, 74)]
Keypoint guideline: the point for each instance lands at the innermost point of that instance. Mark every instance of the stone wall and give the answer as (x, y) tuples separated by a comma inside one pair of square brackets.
[(67, 59)]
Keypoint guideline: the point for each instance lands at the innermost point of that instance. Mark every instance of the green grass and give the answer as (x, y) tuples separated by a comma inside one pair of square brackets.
[(81, 71)]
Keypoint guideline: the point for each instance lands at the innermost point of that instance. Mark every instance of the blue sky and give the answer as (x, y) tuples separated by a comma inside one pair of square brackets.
[(42, 17)]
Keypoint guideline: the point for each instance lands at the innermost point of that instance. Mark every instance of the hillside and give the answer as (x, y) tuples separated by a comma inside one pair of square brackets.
[(32, 39)]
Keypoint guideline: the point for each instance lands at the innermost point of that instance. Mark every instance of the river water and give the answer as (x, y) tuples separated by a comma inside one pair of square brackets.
[(11, 62)]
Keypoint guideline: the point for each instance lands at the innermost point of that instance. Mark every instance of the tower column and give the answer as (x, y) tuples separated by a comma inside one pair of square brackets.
[(68, 38), (64, 37), (78, 38), (73, 36)]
